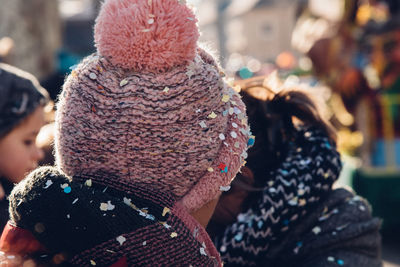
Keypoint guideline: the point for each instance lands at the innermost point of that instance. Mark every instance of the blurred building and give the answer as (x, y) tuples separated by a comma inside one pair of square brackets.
[(256, 28)]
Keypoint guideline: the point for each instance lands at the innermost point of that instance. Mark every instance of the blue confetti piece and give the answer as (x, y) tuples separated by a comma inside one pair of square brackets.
[(251, 142), (340, 262), (67, 190), (299, 244), (225, 170), (260, 224), (239, 237), (328, 145), (286, 222), (284, 172)]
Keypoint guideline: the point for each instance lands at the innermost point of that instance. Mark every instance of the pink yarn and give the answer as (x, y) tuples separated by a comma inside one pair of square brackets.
[(146, 35)]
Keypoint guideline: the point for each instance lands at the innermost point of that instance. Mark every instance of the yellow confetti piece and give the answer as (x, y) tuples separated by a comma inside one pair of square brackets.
[(123, 82), (165, 211), (302, 202), (145, 30), (225, 98), (88, 182), (210, 169), (166, 89), (212, 115), (103, 206), (74, 74), (92, 262), (174, 234)]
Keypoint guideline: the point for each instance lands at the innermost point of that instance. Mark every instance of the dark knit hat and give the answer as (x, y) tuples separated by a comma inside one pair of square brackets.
[(92, 224), (20, 95)]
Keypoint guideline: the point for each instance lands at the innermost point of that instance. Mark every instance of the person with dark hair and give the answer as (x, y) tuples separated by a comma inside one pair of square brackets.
[(282, 210), (22, 102)]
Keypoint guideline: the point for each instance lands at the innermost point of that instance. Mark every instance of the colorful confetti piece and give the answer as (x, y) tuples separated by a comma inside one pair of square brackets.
[(165, 211), (121, 239), (48, 184), (212, 115), (225, 188), (93, 76), (123, 82)]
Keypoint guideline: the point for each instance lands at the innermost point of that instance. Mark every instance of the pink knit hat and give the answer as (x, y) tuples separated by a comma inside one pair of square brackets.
[(151, 107)]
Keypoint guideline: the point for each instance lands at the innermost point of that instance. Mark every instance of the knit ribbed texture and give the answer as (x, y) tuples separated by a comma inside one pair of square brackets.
[(166, 129), (291, 191), (88, 222)]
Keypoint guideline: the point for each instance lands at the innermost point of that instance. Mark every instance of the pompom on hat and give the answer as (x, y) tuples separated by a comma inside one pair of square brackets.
[(151, 107)]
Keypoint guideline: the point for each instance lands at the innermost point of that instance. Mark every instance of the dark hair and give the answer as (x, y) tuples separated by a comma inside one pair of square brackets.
[(273, 118), (20, 95)]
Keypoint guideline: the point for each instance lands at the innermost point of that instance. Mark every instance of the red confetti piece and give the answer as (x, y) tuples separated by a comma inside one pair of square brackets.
[(221, 166)]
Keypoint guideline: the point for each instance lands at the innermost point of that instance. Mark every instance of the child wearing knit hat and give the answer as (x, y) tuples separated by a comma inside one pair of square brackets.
[(147, 133), (22, 102), (282, 209)]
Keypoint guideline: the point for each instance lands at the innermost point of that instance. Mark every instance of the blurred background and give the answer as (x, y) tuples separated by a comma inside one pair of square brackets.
[(346, 51)]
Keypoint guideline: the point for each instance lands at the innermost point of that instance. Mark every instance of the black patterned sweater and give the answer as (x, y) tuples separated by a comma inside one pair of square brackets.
[(307, 173)]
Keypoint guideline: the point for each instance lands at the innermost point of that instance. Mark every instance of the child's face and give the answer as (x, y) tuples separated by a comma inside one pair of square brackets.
[(18, 151)]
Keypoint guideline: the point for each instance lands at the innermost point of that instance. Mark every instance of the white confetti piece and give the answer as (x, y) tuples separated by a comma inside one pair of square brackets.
[(144, 243), (203, 252), (237, 145), (234, 134), (48, 184), (93, 76), (210, 169), (121, 240), (127, 201), (331, 259), (110, 206), (174, 234), (225, 188), (234, 125), (145, 30), (166, 90), (316, 230), (293, 201), (150, 21), (203, 124), (76, 200), (63, 186), (92, 262), (222, 136)]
